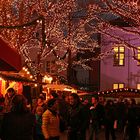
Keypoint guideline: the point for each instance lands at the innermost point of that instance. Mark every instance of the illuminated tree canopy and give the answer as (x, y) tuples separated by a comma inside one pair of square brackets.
[(57, 27)]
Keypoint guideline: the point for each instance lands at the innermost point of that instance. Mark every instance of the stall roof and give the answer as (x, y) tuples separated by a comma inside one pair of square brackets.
[(10, 60), (115, 93), (15, 77), (61, 87)]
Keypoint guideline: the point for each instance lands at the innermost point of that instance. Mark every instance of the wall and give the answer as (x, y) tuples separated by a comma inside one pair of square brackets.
[(128, 74)]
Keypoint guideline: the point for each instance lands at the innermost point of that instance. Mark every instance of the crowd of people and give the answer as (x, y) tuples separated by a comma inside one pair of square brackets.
[(67, 116)]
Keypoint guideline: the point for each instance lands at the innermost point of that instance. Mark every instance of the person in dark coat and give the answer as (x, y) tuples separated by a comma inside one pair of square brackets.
[(78, 119), (63, 111), (121, 110), (8, 98), (110, 119), (132, 120), (97, 114), (19, 123)]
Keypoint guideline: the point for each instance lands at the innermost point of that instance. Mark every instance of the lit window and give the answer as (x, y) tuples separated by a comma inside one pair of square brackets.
[(138, 86), (115, 86), (121, 85), (138, 54), (121, 49), (118, 85), (119, 56)]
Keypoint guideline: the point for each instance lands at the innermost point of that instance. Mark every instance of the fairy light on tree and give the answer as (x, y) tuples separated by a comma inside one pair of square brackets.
[(57, 27)]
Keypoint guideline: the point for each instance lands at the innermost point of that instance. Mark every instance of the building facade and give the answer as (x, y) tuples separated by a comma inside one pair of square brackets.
[(121, 68)]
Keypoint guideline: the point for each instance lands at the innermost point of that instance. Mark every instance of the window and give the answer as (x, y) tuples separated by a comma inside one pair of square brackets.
[(119, 55), (118, 85), (50, 66), (138, 56), (138, 86)]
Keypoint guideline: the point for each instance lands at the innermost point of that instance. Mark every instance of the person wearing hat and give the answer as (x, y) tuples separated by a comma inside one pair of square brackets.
[(50, 121)]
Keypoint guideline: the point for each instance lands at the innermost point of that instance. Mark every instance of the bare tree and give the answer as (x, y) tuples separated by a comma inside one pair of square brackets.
[(62, 27)]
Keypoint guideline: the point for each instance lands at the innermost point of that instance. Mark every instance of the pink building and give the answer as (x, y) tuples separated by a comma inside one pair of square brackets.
[(125, 72)]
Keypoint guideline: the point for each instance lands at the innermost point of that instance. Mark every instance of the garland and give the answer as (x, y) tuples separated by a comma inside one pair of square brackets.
[(22, 25), (16, 78)]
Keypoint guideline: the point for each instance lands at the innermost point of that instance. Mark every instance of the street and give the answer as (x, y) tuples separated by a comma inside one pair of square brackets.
[(119, 136)]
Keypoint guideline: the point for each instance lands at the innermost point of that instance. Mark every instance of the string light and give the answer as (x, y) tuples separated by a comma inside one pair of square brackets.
[(120, 92), (53, 26)]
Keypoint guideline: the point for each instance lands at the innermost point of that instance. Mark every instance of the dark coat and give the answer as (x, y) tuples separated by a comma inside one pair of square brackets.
[(17, 126), (97, 115), (78, 118)]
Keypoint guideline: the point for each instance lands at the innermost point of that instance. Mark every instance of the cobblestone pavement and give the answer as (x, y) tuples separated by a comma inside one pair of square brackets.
[(119, 136)]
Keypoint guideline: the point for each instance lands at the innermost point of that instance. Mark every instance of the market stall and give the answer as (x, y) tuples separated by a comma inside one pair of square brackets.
[(58, 88), (10, 60), (13, 80)]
